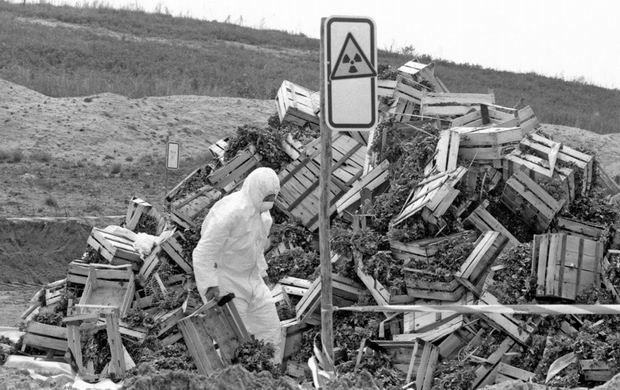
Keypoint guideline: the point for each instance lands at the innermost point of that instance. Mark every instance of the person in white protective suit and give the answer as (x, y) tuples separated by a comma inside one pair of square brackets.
[(229, 257)]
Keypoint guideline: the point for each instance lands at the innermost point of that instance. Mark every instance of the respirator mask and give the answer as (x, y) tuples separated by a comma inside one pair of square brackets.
[(267, 203)]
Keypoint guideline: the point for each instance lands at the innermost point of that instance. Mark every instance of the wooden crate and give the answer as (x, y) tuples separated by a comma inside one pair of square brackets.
[(299, 181), (585, 229), (297, 105), (345, 292), (527, 120), (505, 372), (565, 265), (78, 270), (487, 371), (380, 294), (45, 337), (451, 345), (476, 267), (207, 326), (450, 290), (539, 170), (295, 286), (444, 104), (565, 156), (400, 352), (597, 371), (107, 289), (446, 154), (115, 248), (519, 330), (292, 337), (530, 202), (385, 88), (403, 110), (374, 182), (432, 326), (423, 74), (218, 149), (54, 291), (432, 197), (611, 260), (435, 331), (487, 145), (139, 209), (427, 249), (193, 207), (496, 116), (426, 370), (173, 248), (196, 179), (482, 220), (232, 174), (606, 182)]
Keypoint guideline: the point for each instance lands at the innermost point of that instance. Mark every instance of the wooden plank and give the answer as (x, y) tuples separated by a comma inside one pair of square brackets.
[(484, 221), (200, 346), (117, 358)]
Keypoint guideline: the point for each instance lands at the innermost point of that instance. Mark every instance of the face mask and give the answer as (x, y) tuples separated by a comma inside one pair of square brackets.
[(266, 206)]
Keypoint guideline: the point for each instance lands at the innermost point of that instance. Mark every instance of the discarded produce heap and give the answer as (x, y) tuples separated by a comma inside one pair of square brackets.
[(451, 199)]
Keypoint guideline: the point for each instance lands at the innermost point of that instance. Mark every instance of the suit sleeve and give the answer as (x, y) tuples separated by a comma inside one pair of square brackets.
[(206, 255), (262, 263)]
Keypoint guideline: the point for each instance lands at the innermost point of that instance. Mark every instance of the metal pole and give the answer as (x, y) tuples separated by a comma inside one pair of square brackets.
[(166, 172), (325, 179)]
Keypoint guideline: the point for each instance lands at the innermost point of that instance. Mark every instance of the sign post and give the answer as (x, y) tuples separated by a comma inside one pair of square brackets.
[(348, 103), (173, 153)]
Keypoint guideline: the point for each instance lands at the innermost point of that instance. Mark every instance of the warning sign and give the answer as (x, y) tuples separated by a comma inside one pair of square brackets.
[(350, 82), (352, 62)]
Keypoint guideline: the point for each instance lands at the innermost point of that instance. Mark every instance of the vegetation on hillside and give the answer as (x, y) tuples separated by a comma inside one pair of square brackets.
[(138, 54)]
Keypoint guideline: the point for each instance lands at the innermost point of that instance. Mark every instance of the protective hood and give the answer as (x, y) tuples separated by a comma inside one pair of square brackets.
[(260, 183)]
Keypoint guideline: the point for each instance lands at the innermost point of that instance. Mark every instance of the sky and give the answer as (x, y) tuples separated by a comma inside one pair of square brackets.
[(570, 39)]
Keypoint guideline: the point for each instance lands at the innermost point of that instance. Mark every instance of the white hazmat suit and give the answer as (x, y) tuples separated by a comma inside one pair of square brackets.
[(229, 254)]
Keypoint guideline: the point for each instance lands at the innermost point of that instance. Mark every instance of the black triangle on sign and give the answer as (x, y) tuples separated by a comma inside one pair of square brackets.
[(352, 62)]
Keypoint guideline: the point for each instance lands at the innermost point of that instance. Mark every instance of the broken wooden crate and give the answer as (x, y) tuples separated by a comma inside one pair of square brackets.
[(565, 265), (345, 292), (450, 105), (374, 182), (432, 198), (423, 75), (107, 289), (560, 179), (474, 270), (195, 180), (482, 220), (427, 248), (487, 145), (562, 155), (585, 229), (520, 331), (610, 267), (115, 248), (446, 154), (297, 105), (596, 370), (487, 115), (530, 202), (190, 210), (210, 325), (380, 294), (45, 337), (138, 214), (78, 270), (234, 171), (299, 181)]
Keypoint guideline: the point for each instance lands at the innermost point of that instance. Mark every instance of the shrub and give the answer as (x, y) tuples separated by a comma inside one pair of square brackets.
[(116, 168), (11, 156), (41, 156), (51, 201)]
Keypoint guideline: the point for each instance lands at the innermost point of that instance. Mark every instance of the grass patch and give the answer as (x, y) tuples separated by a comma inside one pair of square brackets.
[(11, 155), (41, 156)]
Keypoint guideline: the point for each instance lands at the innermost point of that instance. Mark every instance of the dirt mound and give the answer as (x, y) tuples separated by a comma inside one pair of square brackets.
[(38, 252), (108, 126)]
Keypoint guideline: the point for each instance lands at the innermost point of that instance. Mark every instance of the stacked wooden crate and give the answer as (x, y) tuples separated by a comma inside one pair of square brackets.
[(299, 181)]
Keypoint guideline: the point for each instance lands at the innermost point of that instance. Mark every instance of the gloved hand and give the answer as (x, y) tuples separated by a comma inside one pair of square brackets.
[(212, 293)]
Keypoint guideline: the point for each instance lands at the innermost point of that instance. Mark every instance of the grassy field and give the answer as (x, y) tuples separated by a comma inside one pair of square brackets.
[(138, 54)]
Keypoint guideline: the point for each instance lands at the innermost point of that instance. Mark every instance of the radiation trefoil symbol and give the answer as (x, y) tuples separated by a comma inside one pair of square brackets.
[(352, 62)]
